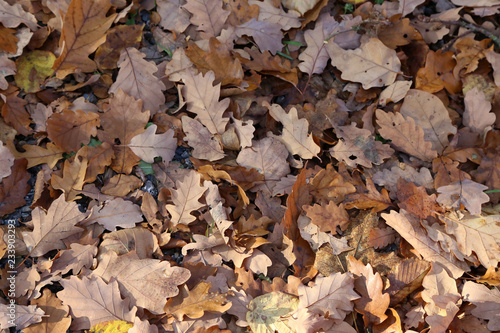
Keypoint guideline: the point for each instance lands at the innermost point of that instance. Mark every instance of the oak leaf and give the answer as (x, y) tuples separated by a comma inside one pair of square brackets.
[(269, 13), (69, 130), (148, 282), (140, 240), (205, 145), (55, 314), (478, 234), (136, 78), (266, 313), (203, 99), (381, 237), (120, 185), (117, 39), (7, 67), (394, 92), (93, 301), (267, 156), (295, 132), (373, 302), (38, 155), (74, 258), (26, 315), (411, 230), (193, 303), (405, 135), (12, 16), (330, 185), (358, 146), (316, 238), (6, 161), (405, 278), (330, 296), (149, 145), (301, 6), (116, 213), (438, 73), (98, 158), (477, 115), (173, 16), (267, 35), (373, 64), (84, 29), (429, 112), (185, 198), (52, 227), (415, 200), (208, 16), (494, 59), (14, 188), (465, 192), (487, 303), (14, 113), (73, 176), (388, 178), (328, 217)]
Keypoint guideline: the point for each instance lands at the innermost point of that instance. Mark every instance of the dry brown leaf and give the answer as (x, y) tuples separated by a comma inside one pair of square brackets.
[(56, 315), (173, 16), (331, 185), (269, 13), (330, 296), (7, 67), (6, 161), (185, 198), (93, 301), (14, 188), (206, 146), (465, 192), (411, 230), (99, 158), (477, 115), (416, 201), (121, 185), (12, 16), (328, 217), (373, 303), (193, 303), (149, 145), (117, 39), (429, 112), (139, 240), (358, 146), (84, 29), (406, 278), (74, 258), (52, 227), (208, 15), (405, 135), (73, 176), (136, 79), (373, 64), (69, 130), (267, 35), (380, 238), (148, 282), (203, 99), (38, 155), (368, 197), (115, 213), (25, 316), (487, 303), (14, 113), (295, 132)]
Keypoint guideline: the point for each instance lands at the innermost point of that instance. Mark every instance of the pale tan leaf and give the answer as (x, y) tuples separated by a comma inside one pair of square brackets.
[(56, 317), (465, 192), (267, 156), (51, 228), (208, 15), (24, 316), (269, 13), (477, 115), (394, 93), (330, 296), (116, 213), (267, 35), (93, 301), (388, 178), (120, 185), (6, 161), (373, 64), (430, 114), (478, 234), (244, 129), (148, 282), (316, 238), (266, 313), (185, 198), (75, 258), (73, 176), (358, 146), (7, 67), (140, 240), (295, 132), (143, 326), (136, 79), (405, 135), (173, 16), (12, 16), (149, 145), (206, 146), (203, 99), (405, 278), (302, 6), (411, 230), (494, 59), (487, 303)]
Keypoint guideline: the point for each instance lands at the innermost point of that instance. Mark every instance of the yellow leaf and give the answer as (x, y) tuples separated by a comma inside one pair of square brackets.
[(266, 313), (114, 326), (33, 68)]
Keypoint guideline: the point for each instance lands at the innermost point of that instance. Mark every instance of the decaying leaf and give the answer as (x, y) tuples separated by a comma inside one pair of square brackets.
[(266, 313)]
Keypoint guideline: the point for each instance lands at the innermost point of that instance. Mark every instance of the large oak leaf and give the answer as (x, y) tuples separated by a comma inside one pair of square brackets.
[(69, 129), (149, 145)]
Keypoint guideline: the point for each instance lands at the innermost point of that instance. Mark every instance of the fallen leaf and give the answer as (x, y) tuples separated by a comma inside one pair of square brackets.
[(208, 16), (477, 115), (12, 16), (14, 113), (33, 68), (14, 188), (465, 192), (173, 16), (205, 145), (269, 13), (149, 145), (487, 303), (7, 68), (56, 315), (328, 217), (69, 129), (266, 313), (118, 38), (73, 176), (301, 6), (6, 161), (84, 29), (116, 213), (267, 35)]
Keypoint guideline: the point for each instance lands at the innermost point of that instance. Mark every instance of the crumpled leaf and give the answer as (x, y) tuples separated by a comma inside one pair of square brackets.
[(373, 64), (136, 79), (93, 301), (208, 16), (487, 303), (465, 192), (84, 29), (51, 228), (148, 282), (193, 303), (203, 99), (330, 296), (358, 146), (265, 313), (295, 132), (185, 198), (267, 35), (149, 145)]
